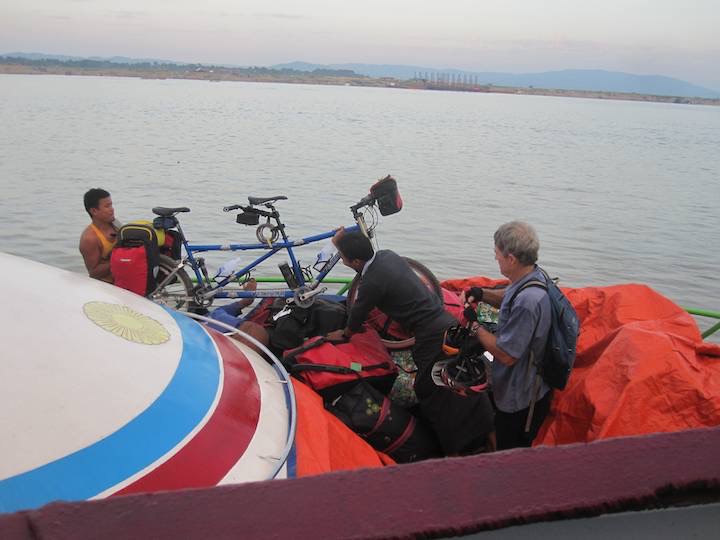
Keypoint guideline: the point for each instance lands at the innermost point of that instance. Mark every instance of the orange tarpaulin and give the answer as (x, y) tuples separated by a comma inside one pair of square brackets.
[(323, 443), (641, 367)]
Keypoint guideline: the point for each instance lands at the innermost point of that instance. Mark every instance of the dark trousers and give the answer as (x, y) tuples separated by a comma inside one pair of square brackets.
[(461, 424), (510, 427)]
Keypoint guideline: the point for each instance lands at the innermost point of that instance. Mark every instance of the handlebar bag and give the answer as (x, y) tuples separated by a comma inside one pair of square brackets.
[(387, 195)]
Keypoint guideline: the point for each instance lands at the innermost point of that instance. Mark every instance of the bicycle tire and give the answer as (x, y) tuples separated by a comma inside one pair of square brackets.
[(176, 293), (425, 275)]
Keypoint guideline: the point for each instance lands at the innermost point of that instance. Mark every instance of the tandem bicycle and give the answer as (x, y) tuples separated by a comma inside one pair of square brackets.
[(176, 288)]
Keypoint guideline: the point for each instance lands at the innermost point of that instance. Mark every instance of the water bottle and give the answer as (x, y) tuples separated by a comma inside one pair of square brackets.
[(325, 254), (228, 268)]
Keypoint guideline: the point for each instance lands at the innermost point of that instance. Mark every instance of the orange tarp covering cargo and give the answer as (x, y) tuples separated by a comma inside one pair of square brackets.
[(323, 443), (641, 367)]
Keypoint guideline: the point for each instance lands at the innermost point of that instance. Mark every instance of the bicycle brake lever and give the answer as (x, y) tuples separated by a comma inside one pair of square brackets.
[(231, 208), (284, 311)]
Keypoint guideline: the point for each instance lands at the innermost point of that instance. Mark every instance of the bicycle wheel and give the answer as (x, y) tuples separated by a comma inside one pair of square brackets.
[(177, 293), (398, 342)]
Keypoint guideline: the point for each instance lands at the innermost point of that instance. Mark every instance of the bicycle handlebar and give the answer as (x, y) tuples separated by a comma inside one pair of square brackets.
[(231, 208), (365, 201)]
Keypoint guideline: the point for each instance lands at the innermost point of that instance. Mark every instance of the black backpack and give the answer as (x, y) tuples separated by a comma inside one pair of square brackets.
[(289, 329), (386, 426), (557, 362)]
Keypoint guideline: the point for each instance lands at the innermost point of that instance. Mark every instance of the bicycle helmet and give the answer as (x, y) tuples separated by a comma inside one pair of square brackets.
[(454, 338), (463, 374)]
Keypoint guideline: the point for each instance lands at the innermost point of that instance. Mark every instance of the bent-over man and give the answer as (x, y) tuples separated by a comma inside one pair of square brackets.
[(461, 424)]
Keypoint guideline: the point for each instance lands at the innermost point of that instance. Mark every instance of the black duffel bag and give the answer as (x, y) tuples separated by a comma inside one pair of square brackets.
[(289, 330), (386, 426)]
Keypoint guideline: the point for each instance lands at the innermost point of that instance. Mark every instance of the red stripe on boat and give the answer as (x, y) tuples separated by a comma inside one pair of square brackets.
[(211, 453)]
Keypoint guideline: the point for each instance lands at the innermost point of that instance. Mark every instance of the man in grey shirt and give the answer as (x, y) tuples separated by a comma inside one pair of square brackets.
[(522, 399)]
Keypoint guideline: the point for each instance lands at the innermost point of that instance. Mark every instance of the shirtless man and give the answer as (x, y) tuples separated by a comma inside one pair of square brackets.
[(98, 238)]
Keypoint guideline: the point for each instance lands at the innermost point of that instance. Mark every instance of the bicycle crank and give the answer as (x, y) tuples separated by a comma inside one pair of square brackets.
[(305, 296)]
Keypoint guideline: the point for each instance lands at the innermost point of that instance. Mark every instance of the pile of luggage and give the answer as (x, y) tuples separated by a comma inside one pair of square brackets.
[(355, 376)]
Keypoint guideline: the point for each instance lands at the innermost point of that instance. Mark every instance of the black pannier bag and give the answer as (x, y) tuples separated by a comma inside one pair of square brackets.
[(134, 259), (165, 222), (387, 195), (290, 329), (386, 426), (286, 326)]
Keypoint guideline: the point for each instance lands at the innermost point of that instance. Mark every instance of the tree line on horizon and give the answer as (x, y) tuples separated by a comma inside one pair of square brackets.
[(86, 63)]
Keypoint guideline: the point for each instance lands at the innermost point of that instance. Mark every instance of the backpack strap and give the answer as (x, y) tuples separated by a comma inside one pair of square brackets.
[(531, 283), (305, 347), (538, 380), (337, 369), (531, 410)]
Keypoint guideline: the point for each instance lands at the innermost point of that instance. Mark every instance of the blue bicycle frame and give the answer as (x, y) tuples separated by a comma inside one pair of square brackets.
[(207, 289), (216, 291)]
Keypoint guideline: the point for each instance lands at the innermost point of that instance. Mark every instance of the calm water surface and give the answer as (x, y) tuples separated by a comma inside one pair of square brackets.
[(618, 191)]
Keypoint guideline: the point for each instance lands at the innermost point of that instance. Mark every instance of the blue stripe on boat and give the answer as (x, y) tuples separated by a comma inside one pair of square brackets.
[(146, 438)]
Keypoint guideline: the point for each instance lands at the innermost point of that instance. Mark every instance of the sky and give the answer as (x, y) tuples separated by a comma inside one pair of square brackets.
[(675, 38)]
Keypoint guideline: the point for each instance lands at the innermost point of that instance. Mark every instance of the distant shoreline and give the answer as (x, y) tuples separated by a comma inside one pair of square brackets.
[(215, 74)]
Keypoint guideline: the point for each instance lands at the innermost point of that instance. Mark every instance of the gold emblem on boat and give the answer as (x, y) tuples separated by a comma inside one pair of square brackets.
[(126, 323)]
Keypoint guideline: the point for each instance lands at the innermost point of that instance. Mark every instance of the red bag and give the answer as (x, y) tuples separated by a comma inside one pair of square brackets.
[(332, 368), (134, 259), (452, 304), (262, 312), (172, 246), (390, 329), (129, 267)]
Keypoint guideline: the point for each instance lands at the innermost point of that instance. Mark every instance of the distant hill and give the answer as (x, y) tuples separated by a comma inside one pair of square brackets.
[(569, 79), (65, 58)]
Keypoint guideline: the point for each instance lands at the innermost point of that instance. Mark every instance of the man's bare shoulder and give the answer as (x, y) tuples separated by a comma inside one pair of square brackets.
[(88, 239)]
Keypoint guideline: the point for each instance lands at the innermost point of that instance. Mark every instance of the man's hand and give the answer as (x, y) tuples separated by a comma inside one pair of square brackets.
[(338, 234), (470, 314), (474, 294)]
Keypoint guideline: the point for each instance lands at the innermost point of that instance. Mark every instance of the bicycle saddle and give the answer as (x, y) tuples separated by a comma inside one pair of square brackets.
[(261, 200), (167, 212)]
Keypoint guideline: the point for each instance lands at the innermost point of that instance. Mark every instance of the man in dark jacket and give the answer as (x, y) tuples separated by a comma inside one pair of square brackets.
[(389, 284)]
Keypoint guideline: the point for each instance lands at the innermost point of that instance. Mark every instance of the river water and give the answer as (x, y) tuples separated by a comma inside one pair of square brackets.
[(618, 191)]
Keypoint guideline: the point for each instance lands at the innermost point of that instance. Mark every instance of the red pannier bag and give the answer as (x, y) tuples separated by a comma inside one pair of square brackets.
[(389, 329), (129, 267), (172, 246), (134, 259), (332, 368)]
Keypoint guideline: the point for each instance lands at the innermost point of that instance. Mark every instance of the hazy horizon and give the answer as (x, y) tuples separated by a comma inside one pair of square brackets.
[(667, 38)]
